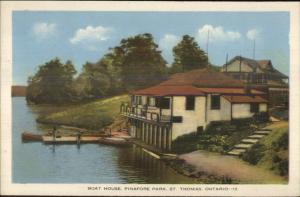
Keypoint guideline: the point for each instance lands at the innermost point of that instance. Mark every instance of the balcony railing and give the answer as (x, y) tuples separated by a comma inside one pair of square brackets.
[(142, 113)]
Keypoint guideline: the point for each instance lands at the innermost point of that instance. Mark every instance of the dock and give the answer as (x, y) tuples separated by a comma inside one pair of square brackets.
[(70, 140), (117, 138)]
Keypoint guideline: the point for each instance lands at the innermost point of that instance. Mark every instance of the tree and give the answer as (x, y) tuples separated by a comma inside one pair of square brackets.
[(99, 79), (140, 61), (93, 82), (188, 55), (52, 83)]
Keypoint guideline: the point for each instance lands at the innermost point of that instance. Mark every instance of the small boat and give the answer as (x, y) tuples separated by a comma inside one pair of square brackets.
[(26, 136)]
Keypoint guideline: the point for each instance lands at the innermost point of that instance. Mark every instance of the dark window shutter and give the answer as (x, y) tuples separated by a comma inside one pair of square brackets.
[(190, 103), (215, 101), (254, 107), (177, 119)]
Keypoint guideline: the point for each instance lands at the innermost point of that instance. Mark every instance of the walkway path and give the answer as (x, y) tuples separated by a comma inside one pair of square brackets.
[(229, 166)]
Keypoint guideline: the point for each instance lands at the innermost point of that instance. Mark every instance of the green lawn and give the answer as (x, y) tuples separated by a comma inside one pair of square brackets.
[(93, 115), (268, 161)]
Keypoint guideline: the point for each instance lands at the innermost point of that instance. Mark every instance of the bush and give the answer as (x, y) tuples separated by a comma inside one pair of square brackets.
[(254, 154), (185, 143), (283, 167), (282, 143), (261, 117), (219, 136), (220, 128), (280, 159)]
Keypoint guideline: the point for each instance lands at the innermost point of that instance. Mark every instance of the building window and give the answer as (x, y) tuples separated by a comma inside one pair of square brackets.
[(139, 98), (215, 102), (254, 108), (190, 103), (151, 101), (132, 99), (177, 119), (163, 103)]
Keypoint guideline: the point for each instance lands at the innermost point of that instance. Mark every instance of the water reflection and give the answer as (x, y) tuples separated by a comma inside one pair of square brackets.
[(147, 169)]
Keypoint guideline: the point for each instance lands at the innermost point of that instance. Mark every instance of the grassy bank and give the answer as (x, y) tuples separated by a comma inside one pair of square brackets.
[(272, 151), (93, 115)]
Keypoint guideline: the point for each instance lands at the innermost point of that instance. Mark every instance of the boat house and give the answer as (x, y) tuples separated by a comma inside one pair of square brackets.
[(188, 102)]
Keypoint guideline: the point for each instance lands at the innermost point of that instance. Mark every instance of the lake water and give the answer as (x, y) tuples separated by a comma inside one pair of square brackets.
[(91, 163)]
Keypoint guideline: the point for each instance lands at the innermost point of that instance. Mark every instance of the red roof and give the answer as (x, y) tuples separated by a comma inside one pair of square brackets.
[(228, 90), (245, 99), (197, 82), (161, 90)]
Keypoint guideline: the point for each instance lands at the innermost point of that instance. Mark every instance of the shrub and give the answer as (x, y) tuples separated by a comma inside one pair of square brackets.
[(261, 117), (280, 159), (185, 143), (283, 167), (254, 154), (220, 127), (282, 142)]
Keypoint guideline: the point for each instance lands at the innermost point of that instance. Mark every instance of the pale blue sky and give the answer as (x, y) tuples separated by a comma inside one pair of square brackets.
[(87, 36)]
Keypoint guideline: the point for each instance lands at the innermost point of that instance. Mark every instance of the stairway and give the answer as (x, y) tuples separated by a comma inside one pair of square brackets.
[(248, 142)]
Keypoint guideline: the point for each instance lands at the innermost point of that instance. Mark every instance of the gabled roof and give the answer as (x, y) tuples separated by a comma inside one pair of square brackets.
[(197, 82), (265, 65), (162, 90), (245, 99)]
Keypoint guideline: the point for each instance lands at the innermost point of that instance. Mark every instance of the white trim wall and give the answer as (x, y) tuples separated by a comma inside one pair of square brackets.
[(224, 113), (191, 119)]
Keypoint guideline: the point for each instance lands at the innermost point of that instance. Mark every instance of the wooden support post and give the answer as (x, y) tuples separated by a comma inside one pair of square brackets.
[(162, 137), (154, 134), (150, 133), (169, 138), (159, 137), (142, 131), (139, 129), (145, 132), (165, 138)]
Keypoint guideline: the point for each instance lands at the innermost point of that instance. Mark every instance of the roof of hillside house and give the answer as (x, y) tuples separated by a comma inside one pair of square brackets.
[(203, 78), (197, 82), (264, 65), (162, 90), (245, 99)]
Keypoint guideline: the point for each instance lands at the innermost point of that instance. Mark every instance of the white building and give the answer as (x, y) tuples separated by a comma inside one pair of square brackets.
[(188, 102)]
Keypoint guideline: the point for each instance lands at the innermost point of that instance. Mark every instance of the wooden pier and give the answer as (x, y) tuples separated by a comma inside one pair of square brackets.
[(70, 140), (117, 138)]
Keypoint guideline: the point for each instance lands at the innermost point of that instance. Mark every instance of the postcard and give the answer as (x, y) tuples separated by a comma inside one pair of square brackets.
[(150, 98)]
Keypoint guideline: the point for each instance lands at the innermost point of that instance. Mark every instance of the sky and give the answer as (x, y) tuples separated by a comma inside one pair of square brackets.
[(86, 36)]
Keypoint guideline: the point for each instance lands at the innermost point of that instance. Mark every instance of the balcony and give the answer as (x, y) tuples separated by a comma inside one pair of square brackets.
[(142, 113), (254, 78)]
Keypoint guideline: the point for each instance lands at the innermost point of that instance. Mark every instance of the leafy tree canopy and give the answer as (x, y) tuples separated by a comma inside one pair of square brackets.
[(52, 83), (188, 55), (140, 61)]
